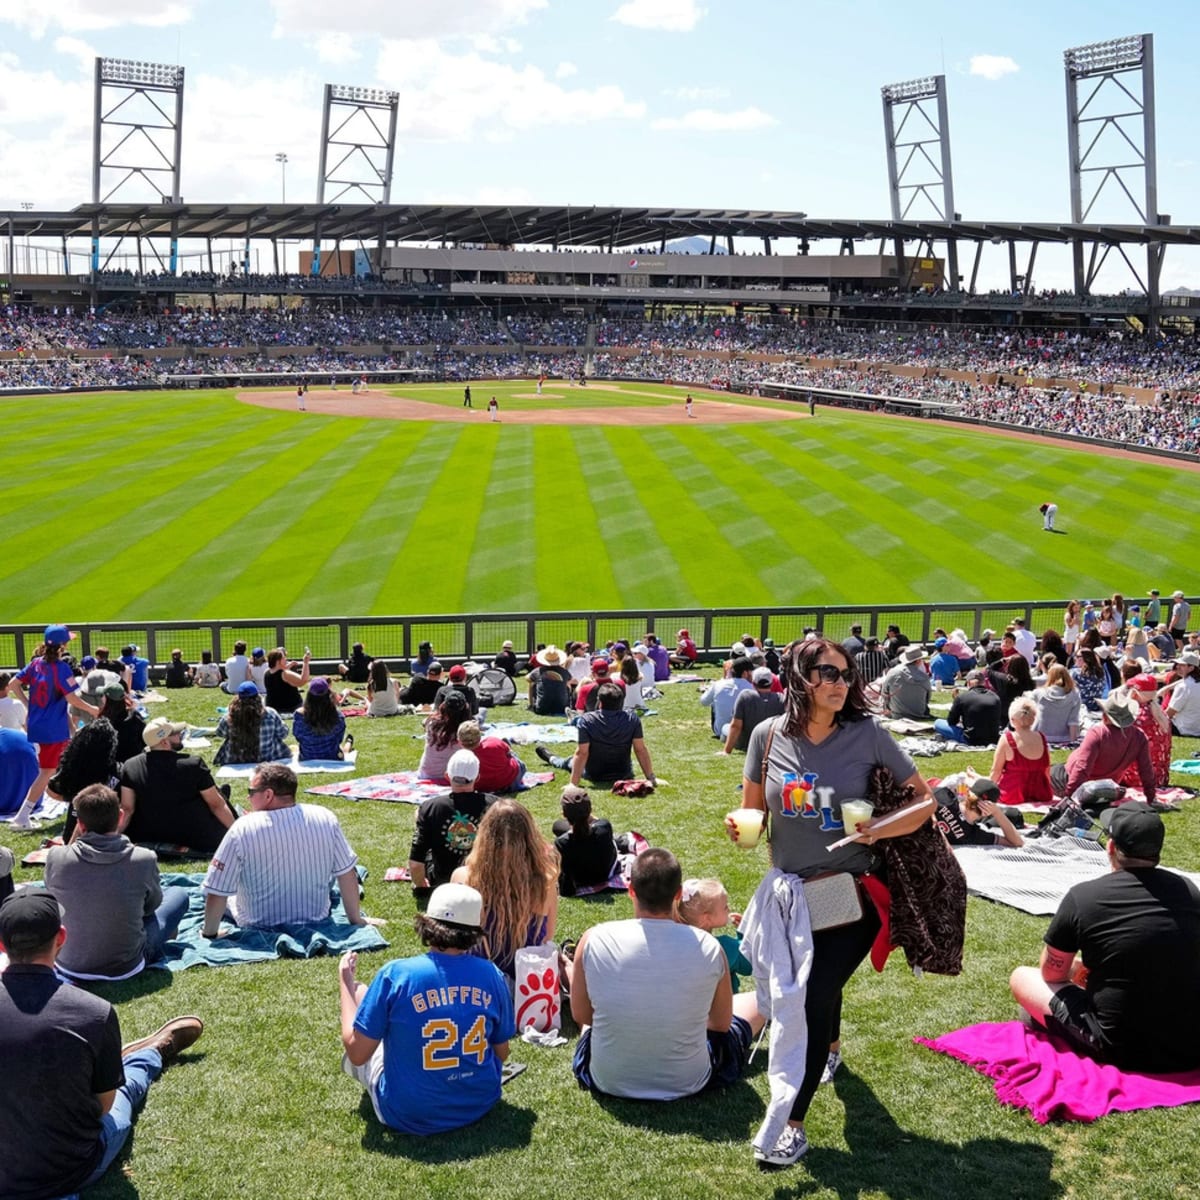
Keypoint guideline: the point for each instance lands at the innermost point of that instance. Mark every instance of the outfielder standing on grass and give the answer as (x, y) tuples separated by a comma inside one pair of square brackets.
[(1049, 512)]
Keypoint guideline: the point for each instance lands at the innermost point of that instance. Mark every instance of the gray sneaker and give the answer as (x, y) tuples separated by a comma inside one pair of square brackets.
[(831, 1066), (790, 1149)]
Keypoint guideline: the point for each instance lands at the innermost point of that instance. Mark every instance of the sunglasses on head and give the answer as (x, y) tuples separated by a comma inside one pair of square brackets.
[(828, 673)]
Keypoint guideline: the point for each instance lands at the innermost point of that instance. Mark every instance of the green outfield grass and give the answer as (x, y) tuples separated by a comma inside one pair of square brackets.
[(260, 1111), (170, 505)]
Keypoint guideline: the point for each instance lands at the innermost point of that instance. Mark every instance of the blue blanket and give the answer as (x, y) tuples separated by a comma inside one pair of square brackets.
[(332, 936)]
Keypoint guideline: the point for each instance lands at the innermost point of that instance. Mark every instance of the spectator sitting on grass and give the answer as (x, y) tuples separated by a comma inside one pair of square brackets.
[(274, 864), (549, 683), (608, 738), (178, 673), (506, 660), (704, 903), (751, 708), (587, 849), (871, 661), (420, 665), (253, 732), (458, 683), (208, 673), (382, 691), (319, 726), (446, 826), (906, 687), (170, 797), (975, 716), (384, 1026), (721, 695), (500, 770), (424, 688), (441, 736), (357, 670), (585, 693), (943, 666), (1060, 709)]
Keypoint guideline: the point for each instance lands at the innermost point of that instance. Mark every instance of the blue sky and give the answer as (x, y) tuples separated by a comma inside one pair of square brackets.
[(714, 103)]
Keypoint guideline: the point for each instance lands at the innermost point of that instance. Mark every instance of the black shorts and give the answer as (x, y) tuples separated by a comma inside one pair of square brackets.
[(1072, 1017)]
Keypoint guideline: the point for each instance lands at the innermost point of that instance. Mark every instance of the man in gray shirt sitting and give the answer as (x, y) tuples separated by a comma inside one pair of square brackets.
[(120, 917), (906, 688), (642, 1040)]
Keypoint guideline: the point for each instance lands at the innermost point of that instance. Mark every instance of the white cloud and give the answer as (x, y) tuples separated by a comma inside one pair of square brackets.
[(335, 48), (565, 70), (37, 16), (707, 120), (675, 16), (696, 95), (992, 66), (451, 97), (384, 18), (77, 49)]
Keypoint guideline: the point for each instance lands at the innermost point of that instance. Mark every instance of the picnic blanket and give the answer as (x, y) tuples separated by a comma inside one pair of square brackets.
[(686, 677), (403, 787), (152, 697), (908, 724), (920, 747), (1039, 1072), (334, 935), (527, 733), (1034, 877), (1186, 766), (310, 766)]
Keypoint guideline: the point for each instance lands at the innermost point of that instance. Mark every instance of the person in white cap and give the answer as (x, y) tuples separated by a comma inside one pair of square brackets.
[(1182, 700), (446, 826), (170, 797), (506, 660), (429, 1037), (906, 688)]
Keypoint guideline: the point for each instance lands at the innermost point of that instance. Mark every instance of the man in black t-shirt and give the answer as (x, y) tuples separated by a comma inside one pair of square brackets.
[(446, 826), (609, 738), (751, 708), (976, 716), (168, 796), (65, 1070), (1120, 970)]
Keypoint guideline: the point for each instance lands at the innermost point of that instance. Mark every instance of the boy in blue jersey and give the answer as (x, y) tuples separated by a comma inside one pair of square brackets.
[(428, 1038)]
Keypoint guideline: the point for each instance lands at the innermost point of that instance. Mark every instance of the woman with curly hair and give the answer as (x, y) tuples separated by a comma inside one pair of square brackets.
[(116, 707), (515, 870), (253, 733), (319, 727), (441, 736), (90, 757)]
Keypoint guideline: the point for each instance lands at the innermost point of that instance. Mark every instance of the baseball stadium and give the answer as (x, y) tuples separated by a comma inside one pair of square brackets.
[(504, 439)]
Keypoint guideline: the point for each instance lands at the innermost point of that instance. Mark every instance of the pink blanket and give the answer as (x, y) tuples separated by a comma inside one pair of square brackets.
[(1042, 1073)]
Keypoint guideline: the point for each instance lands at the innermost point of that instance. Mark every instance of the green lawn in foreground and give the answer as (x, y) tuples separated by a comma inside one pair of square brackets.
[(260, 1111), (163, 505)]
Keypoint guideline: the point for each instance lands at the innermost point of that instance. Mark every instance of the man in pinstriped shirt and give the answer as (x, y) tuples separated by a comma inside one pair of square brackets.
[(276, 862)]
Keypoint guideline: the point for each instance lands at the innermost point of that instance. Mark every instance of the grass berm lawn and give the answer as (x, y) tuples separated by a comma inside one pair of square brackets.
[(260, 1109), (171, 505)]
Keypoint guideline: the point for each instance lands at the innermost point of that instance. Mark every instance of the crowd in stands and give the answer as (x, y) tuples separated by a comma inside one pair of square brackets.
[(256, 283), (1171, 367)]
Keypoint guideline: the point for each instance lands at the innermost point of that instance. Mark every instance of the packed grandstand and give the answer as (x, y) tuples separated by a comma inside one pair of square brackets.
[(987, 373)]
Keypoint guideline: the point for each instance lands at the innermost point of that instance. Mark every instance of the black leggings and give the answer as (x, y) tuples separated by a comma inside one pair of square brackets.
[(836, 955)]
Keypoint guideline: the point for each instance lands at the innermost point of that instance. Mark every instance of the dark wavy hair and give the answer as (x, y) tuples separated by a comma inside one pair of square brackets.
[(321, 712), (798, 705), (245, 717), (1016, 667), (90, 757), (443, 725)]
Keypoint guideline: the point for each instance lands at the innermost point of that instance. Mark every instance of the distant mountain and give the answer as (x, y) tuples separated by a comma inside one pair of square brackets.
[(694, 245)]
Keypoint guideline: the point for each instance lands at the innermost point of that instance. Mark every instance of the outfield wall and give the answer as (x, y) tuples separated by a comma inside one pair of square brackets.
[(464, 636)]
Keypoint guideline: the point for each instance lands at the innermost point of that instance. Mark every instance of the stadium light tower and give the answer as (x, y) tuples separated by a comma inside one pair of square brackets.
[(356, 153), (282, 159), (916, 119), (1114, 115), (138, 128)]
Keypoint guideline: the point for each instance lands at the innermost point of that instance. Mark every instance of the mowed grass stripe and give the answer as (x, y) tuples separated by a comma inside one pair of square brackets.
[(612, 465), (499, 574), (137, 513), (427, 576), (214, 556), (351, 579), (571, 565)]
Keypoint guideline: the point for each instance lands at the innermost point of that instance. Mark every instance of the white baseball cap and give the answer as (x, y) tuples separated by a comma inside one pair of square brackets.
[(463, 767), (456, 904)]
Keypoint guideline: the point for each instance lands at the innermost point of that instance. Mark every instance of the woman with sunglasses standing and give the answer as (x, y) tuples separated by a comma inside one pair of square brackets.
[(800, 767)]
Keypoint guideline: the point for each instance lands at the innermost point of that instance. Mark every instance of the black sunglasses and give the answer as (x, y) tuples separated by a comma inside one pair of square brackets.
[(255, 790), (828, 673)]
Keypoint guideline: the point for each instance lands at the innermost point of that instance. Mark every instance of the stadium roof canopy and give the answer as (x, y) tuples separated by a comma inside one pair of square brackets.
[(536, 225)]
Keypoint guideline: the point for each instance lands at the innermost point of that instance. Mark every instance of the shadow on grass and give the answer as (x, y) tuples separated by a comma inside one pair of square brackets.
[(713, 1116), (144, 983), (506, 1127), (886, 1160)]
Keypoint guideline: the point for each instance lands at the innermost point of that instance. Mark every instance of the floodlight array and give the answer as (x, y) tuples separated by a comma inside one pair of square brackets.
[(363, 95), (1118, 54), (140, 74), (910, 89)]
